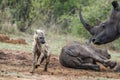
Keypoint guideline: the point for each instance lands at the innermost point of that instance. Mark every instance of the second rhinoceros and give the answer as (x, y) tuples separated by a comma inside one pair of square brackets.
[(79, 56)]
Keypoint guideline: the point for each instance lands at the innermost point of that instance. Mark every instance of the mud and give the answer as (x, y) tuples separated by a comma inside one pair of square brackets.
[(17, 65)]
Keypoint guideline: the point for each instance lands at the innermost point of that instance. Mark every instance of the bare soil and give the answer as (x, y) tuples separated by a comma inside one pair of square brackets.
[(16, 65)]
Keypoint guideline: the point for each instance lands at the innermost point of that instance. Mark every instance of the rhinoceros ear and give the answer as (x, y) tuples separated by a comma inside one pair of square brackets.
[(115, 5)]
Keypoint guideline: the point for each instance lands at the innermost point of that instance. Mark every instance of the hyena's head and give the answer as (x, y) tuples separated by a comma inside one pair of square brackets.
[(39, 36)]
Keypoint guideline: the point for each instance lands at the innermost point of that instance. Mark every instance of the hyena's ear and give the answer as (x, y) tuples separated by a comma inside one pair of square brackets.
[(43, 32), (35, 31)]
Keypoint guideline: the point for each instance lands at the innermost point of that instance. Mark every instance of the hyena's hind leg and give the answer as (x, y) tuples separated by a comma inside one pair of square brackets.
[(47, 62)]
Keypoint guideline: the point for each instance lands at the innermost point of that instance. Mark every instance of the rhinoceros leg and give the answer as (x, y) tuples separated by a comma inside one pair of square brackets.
[(83, 65), (90, 66), (105, 62)]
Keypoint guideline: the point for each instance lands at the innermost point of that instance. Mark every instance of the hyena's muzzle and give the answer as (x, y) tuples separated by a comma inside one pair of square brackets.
[(41, 39)]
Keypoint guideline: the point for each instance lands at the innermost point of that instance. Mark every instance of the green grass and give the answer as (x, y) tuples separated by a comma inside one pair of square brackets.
[(115, 55), (20, 47), (10, 46), (55, 42)]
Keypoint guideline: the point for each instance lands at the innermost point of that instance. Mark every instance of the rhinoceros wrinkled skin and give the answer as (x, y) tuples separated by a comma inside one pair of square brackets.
[(117, 68), (79, 56), (107, 31)]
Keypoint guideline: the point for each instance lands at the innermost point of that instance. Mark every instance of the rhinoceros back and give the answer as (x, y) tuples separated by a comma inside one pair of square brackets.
[(68, 55)]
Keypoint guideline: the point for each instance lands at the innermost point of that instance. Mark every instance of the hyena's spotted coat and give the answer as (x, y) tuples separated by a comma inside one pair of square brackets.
[(40, 50)]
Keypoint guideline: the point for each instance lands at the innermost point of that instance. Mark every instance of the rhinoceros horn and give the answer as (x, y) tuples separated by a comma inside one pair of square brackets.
[(85, 24)]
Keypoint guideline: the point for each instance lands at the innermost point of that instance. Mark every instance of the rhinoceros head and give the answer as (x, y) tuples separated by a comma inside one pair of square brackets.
[(106, 31)]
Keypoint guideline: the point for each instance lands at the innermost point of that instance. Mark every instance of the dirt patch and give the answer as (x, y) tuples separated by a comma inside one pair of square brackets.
[(6, 38), (17, 64), (16, 41)]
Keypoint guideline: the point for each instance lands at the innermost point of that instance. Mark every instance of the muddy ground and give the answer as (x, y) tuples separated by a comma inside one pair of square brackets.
[(16, 65)]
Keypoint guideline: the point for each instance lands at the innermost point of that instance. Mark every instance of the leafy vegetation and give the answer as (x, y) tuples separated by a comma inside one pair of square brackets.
[(46, 13)]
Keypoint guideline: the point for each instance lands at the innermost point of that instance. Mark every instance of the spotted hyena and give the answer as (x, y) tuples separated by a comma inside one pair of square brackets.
[(40, 50)]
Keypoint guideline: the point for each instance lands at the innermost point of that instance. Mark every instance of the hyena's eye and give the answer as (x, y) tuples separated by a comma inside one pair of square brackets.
[(41, 37)]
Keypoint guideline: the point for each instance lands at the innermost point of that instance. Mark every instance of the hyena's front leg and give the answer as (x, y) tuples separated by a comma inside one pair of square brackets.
[(37, 62), (40, 58), (34, 61), (47, 62)]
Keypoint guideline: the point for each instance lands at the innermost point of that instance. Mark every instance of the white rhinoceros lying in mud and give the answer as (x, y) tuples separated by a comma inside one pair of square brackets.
[(78, 56)]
